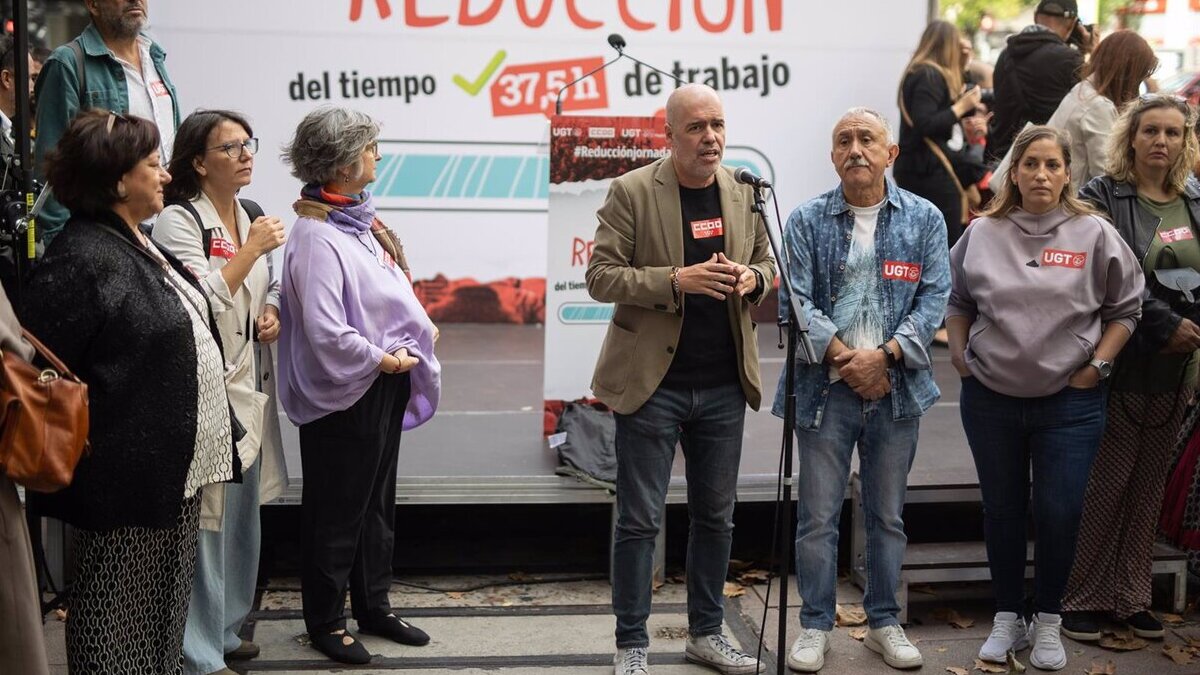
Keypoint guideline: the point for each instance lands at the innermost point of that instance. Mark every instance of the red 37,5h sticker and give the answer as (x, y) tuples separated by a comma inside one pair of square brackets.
[(1054, 257), (901, 271)]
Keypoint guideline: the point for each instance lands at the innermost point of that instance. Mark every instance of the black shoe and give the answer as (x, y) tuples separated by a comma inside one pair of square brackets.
[(1081, 626), (334, 646), (395, 629), (1144, 625), (246, 650)]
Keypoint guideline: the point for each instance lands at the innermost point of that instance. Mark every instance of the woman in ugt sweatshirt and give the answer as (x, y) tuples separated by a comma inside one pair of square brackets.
[(1044, 294)]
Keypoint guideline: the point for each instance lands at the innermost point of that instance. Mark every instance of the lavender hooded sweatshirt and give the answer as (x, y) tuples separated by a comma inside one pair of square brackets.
[(343, 307), (1039, 290)]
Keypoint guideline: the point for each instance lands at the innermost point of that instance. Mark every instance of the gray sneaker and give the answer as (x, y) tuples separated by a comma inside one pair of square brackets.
[(717, 653), (630, 661), (1048, 652)]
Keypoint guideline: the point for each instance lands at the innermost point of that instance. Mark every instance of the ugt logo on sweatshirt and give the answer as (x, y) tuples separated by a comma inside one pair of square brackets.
[(1058, 258)]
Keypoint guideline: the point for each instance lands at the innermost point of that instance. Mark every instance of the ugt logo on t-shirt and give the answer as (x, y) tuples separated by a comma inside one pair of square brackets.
[(1054, 257)]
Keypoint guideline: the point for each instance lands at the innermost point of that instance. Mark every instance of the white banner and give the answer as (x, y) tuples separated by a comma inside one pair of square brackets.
[(463, 88)]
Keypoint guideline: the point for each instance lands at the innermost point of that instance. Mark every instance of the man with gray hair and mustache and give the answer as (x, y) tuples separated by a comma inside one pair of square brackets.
[(111, 65), (870, 270)]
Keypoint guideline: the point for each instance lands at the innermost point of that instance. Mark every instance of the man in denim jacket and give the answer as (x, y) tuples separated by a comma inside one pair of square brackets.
[(123, 71), (870, 268)]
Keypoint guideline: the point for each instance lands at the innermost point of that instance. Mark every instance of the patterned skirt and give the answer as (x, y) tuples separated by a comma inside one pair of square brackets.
[(130, 598)]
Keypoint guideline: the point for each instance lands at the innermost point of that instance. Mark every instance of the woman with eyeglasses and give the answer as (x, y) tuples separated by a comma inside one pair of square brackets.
[(1154, 203), (227, 248), (356, 369), (133, 323)]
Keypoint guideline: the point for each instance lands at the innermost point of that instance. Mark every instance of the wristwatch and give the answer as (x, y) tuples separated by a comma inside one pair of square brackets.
[(891, 355), (1104, 367)]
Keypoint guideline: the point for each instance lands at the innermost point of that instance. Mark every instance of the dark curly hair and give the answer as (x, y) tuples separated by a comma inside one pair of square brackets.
[(97, 150)]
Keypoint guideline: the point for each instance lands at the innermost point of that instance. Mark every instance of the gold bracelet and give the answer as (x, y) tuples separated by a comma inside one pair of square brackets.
[(675, 283)]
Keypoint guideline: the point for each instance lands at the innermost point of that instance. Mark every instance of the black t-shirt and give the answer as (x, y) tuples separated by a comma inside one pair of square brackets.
[(706, 355)]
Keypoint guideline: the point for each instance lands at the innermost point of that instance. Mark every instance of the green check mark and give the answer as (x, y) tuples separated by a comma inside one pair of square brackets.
[(473, 88)]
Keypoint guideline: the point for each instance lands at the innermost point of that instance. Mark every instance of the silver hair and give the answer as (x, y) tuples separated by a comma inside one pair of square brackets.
[(860, 111), (328, 139)]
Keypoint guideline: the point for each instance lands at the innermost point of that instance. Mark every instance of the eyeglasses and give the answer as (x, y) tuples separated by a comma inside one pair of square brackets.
[(233, 149), (373, 148)]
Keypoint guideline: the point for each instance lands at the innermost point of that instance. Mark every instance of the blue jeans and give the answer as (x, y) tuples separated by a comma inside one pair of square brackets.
[(1059, 436), (885, 453), (708, 424), (226, 577)]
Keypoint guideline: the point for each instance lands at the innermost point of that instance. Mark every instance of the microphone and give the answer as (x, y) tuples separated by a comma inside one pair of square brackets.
[(616, 41), (744, 175)]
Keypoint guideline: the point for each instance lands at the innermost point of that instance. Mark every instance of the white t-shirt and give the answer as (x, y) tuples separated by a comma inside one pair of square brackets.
[(858, 312), (149, 97)]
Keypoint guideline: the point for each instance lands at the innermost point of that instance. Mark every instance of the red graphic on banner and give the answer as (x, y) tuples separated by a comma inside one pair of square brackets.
[(901, 271), (356, 9), (1070, 259), (531, 88), (599, 148)]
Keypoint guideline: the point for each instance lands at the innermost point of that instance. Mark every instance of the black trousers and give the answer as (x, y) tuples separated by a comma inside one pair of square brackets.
[(349, 504)]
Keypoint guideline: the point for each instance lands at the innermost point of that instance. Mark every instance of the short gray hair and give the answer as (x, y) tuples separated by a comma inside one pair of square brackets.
[(860, 111), (327, 139)]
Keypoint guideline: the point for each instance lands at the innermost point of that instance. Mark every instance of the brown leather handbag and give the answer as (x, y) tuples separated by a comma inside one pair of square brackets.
[(43, 420)]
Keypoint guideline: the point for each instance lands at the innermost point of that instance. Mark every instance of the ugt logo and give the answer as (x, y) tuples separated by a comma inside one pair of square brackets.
[(356, 9)]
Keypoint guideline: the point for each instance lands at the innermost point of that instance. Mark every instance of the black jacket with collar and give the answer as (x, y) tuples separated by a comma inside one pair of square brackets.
[(1138, 227), (105, 307)]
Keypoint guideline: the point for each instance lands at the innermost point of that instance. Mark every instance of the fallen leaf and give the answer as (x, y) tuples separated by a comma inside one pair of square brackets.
[(752, 577), (1172, 619), (985, 667), (850, 615), (657, 585), (733, 590), (672, 633), (957, 671), (941, 650), (952, 617), (455, 595), (1106, 668), (676, 579), (60, 614), (1122, 641), (1192, 640), (1180, 655), (739, 565), (1014, 666), (859, 634)]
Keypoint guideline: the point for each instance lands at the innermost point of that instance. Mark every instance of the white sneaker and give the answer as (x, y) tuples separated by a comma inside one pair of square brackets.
[(807, 654), (1008, 633), (630, 661), (717, 653), (1048, 652), (893, 644)]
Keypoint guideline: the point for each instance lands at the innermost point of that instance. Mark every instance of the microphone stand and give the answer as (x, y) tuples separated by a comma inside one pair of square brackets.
[(617, 43), (797, 337)]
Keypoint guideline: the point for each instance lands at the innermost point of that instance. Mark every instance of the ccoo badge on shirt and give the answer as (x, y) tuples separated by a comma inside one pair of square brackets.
[(703, 229)]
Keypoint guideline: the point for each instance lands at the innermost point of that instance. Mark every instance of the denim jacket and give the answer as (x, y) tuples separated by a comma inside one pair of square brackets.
[(817, 241), (58, 99)]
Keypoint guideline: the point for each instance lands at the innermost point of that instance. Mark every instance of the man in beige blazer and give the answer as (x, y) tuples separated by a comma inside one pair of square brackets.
[(681, 255)]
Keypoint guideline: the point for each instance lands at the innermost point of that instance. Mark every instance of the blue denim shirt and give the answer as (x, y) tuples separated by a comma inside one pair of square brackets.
[(817, 240)]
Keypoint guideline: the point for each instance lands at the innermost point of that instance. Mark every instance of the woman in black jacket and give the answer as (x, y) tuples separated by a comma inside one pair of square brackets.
[(1154, 203), (131, 321), (932, 102)]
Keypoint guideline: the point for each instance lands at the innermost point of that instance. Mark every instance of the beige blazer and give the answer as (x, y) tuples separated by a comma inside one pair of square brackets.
[(638, 239)]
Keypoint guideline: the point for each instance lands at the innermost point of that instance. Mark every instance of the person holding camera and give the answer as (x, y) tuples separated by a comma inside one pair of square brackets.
[(932, 101), (1154, 203), (1037, 69)]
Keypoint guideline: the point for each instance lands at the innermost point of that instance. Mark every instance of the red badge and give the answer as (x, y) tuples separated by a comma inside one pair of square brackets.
[(703, 229), (1056, 258), (901, 271), (221, 248), (159, 88), (1176, 234)]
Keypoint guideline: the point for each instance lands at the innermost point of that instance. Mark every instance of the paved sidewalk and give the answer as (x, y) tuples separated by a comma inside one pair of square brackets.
[(523, 628)]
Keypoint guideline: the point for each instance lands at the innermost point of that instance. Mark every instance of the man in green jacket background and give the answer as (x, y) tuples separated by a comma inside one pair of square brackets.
[(111, 65)]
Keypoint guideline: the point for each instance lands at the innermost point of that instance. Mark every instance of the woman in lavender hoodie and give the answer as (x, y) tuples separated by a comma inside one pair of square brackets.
[(356, 368), (1044, 294)]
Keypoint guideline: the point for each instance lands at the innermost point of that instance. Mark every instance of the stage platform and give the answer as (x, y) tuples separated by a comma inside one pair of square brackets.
[(485, 444)]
